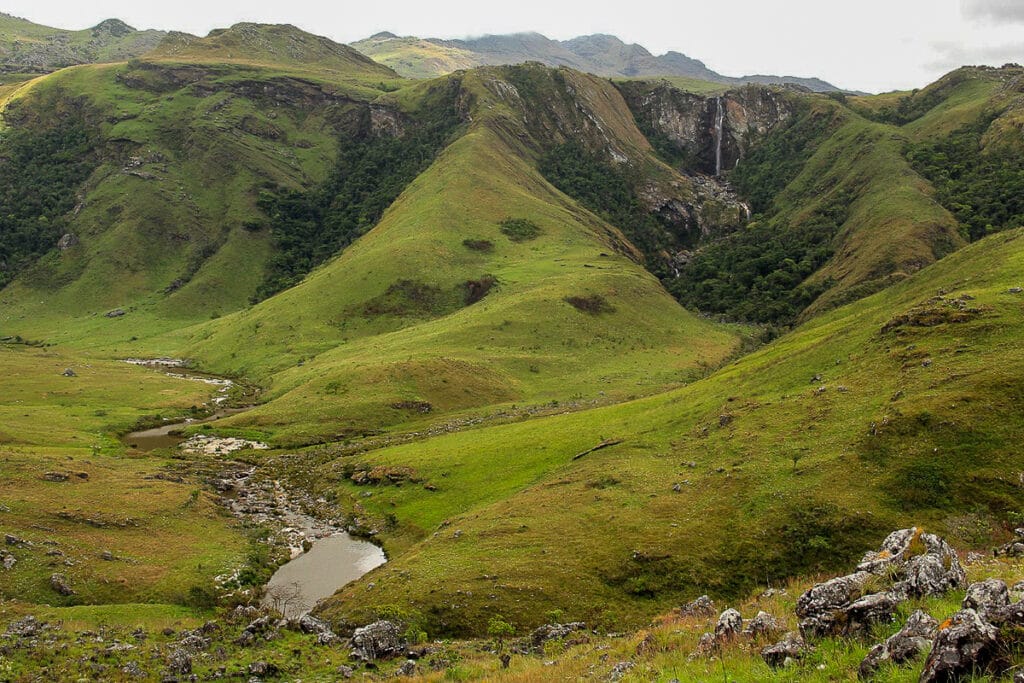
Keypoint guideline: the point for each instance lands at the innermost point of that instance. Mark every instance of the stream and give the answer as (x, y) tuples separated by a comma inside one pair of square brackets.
[(324, 557)]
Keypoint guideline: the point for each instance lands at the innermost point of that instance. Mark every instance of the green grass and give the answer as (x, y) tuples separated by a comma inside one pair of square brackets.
[(538, 530)]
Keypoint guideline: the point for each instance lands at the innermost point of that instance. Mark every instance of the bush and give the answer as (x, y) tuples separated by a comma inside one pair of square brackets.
[(594, 304), (520, 229)]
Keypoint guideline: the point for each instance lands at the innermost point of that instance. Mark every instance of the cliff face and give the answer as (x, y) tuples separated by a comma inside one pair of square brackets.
[(711, 134)]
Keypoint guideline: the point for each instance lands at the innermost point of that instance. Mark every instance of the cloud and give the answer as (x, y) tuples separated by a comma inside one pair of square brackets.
[(950, 55), (993, 11)]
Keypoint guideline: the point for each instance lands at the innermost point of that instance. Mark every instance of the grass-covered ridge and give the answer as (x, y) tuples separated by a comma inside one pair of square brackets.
[(900, 406)]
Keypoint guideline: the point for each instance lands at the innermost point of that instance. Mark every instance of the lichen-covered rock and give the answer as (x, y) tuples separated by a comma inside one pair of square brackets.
[(922, 563), (26, 627), (913, 640), (701, 607), (1014, 548), (408, 668), (729, 625), (792, 647), (763, 625), (986, 595), (7, 559), (869, 610), (179, 662), (620, 670), (822, 607), (965, 645), (379, 640), (324, 635), (543, 634)]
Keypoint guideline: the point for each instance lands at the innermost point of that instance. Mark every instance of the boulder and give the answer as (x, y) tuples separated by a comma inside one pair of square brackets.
[(729, 625), (1014, 548), (870, 610), (262, 627), (791, 648), (324, 635), (543, 634), (179, 662), (379, 640), (66, 241), (620, 670), (913, 640), (763, 625), (922, 563), (59, 583), (26, 627), (116, 313), (262, 668), (821, 608), (68, 372), (985, 595), (1006, 616), (56, 476), (407, 669), (701, 607), (7, 559), (967, 644)]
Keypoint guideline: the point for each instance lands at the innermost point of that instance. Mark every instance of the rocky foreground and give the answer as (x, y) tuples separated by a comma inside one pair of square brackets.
[(944, 621)]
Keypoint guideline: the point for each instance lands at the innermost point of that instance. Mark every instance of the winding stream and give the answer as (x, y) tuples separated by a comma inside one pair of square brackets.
[(324, 557)]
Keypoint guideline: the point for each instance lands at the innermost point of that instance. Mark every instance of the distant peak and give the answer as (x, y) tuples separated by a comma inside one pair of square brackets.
[(114, 27), (383, 35)]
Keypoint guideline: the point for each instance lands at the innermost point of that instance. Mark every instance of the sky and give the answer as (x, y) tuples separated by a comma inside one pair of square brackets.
[(870, 45)]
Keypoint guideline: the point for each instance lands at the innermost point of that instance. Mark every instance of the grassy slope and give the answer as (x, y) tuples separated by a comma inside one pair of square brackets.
[(415, 57), (517, 527), (170, 539), (337, 368)]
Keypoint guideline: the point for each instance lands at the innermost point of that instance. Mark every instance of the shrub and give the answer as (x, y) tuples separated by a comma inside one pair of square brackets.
[(594, 304), (485, 246), (520, 229)]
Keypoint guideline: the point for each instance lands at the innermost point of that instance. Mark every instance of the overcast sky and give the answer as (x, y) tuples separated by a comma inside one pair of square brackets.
[(873, 45)]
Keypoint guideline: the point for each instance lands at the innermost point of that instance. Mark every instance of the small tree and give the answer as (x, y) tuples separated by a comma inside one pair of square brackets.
[(499, 629)]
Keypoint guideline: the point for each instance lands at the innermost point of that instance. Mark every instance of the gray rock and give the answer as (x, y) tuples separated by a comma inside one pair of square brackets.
[(346, 671), (179, 662), (923, 563), (26, 627), (620, 670), (66, 241), (706, 646), (763, 625), (133, 670), (116, 313), (986, 595), (967, 645), (11, 539), (407, 669), (913, 640), (543, 634), (310, 624), (379, 640), (68, 372), (262, 627), (870, 610), (729, 625), (791, 648), (701, 607), (822, 607), (59, 583), (7, 559), (56, 476), (1011, 616), (262, 668)]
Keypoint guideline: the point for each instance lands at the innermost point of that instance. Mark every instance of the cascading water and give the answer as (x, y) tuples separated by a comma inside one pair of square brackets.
[(719, 120)]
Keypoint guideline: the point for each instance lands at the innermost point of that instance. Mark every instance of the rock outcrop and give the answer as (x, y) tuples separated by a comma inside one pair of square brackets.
[(379, 640), (965, 646), (913, 640)]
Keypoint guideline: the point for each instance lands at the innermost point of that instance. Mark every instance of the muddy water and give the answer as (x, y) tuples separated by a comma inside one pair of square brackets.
[(333, 561)]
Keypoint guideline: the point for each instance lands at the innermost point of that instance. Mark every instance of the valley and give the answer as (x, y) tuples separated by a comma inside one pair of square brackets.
[(499, 348)]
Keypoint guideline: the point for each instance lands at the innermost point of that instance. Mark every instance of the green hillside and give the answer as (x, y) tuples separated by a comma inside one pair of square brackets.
[(568, 348), (28, 49)]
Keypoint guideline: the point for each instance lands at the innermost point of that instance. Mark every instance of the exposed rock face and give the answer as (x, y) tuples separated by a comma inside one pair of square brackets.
[(986, 595), (379, 640), (688, 120), (967, 645), (909, 563), (822, 608), (791, 648), (913, 640), (67, 241)]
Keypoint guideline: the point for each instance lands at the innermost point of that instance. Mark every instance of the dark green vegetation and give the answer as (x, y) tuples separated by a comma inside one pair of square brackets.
[(448, 287), (370, 171), (43, 162), (983, 188)]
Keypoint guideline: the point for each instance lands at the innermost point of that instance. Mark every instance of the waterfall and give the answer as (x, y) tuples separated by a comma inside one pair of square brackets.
[(719, 119)]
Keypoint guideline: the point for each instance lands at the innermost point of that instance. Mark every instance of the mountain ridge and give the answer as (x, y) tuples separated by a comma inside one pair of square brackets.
[(600, 53)]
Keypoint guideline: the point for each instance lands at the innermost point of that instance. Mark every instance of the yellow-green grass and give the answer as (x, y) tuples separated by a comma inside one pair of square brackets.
[(686, 84), (916, 424), (415, 57), (166, 537), (338, 369)]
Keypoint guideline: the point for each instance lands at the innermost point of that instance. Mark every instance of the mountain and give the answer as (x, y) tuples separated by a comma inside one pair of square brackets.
[(600, 54), (568, 348), (28, 49)]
